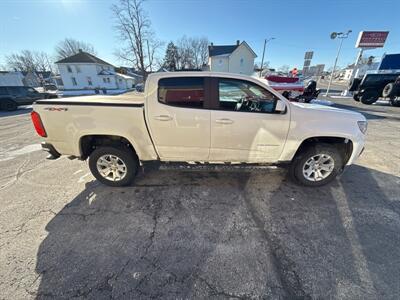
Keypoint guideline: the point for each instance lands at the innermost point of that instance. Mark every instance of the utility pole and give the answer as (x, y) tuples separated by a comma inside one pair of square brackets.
[(262, 59), (341, 36)]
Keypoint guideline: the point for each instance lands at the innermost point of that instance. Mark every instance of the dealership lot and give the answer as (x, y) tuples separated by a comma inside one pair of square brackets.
[(178, 234)]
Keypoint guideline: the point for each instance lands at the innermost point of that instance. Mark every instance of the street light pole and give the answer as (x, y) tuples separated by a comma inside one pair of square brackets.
[(341, 36), (262, 60)]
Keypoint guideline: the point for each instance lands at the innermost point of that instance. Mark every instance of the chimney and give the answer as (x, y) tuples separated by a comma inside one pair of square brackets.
[(80, 50), (212, 45), (237, 42)]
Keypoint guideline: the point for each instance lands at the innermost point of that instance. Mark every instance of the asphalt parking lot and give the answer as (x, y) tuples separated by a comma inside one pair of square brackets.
[(184, 235)]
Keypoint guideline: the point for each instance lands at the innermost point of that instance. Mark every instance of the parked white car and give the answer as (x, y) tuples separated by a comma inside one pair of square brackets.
[(200, 117)]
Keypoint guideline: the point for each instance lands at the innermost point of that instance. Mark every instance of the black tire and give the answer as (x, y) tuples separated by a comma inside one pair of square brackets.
[(8, 105), (369, 97), (354, 83), (389, 91), (356, 98), (395, 102), (126, 155), (298, 163)]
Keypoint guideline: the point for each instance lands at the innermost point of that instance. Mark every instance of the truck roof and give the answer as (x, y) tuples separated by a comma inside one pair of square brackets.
[(201, 74)]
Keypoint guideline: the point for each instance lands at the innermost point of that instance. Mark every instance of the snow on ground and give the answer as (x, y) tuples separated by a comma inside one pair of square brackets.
[(341, 97)]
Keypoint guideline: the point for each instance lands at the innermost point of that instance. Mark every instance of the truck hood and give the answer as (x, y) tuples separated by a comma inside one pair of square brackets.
[(328, 109)]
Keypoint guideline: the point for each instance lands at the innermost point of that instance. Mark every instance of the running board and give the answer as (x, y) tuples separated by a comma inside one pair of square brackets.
[(207, 166)]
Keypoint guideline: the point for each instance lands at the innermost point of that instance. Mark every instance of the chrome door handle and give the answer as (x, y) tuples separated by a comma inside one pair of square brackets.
[(224, 121), (163, 118)]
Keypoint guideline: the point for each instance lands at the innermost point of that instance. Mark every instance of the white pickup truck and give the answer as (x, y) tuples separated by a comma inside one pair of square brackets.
[(200, 117)]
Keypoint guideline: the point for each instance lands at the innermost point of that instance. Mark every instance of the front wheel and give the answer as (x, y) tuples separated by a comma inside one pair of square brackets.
[(114, 166), (317, 165), (369, 97)]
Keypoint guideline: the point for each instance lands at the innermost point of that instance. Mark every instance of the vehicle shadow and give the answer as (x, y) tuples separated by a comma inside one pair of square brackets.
[(20, 111), (204, 234)]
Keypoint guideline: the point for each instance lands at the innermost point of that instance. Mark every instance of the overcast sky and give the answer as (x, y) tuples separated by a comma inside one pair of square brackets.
[(298, 26)]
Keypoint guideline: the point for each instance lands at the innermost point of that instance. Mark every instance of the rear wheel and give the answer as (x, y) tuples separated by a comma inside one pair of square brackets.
[(369, 97), (389, 91), (114, 166), (356, 98), (8, 105), (317, 165), (354, 84)]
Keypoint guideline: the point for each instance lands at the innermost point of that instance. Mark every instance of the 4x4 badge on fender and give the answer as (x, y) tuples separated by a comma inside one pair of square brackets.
[(56, 108)]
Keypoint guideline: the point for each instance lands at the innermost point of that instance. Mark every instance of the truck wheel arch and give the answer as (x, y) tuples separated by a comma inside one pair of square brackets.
[(88, 143), (344, 145)]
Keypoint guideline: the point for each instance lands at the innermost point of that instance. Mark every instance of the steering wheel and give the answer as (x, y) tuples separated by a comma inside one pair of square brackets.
[(240, 103)]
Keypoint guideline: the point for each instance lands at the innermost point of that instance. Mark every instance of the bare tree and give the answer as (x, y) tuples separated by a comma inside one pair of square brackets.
[(192, 52), (284, 69), (43, 62), (29, 61), (200, 51), (185, 54), (69, 47), (134, 30)]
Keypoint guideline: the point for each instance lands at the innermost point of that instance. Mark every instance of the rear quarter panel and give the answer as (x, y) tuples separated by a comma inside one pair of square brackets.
[(67, 124)]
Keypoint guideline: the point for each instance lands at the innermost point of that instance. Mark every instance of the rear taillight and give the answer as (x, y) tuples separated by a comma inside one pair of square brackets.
[(37, 122)]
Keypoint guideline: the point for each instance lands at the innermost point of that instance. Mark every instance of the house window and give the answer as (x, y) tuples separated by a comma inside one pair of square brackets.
[(78, 69), (220, 62), (182, 91), (74, 83), (104, 80), (69, 69), (120, 80), (108, 79), (241, 62), (89, 80)]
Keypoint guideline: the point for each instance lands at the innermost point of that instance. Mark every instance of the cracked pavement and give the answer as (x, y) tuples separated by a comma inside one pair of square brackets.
[(199, 234)]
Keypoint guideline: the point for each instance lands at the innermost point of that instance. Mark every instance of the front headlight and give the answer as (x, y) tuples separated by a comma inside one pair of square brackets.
[(363, 125)]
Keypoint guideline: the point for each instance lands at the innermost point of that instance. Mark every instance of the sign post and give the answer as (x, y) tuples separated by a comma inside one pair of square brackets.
[(341, 36)]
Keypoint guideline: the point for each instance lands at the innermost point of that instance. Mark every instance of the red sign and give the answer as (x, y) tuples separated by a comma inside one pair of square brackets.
[(371, 39)]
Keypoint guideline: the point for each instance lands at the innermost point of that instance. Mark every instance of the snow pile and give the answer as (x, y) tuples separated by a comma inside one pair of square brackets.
[(321, 102)]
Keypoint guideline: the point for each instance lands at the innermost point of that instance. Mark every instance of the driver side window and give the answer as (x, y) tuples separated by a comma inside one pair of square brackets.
[(245, 96)]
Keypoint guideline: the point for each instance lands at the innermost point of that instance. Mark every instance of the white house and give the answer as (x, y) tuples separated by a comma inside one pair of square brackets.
[(84, 71), (237, 58)]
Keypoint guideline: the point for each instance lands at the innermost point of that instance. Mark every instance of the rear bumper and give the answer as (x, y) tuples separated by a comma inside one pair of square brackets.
[(51, 150)]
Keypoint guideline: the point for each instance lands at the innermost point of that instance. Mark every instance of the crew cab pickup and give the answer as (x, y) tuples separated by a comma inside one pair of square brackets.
[(200, 117)]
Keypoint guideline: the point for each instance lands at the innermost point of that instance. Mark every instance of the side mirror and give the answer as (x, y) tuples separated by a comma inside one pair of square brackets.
[(280, 106)]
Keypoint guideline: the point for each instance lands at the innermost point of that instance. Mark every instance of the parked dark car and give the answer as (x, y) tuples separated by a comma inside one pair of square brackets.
[(13, 96), (373, 86)]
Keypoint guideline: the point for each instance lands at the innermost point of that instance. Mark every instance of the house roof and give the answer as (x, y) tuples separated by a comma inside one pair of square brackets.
[(221, 50), (130, 71), (83, 57), (106, 72), (227, 49), (124, 76)]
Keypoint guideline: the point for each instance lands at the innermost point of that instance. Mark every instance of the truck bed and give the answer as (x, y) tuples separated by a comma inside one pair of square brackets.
[(126, 98), (68, 120)]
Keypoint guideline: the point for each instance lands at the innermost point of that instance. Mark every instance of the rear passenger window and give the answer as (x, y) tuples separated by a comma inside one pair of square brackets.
[(182, 91)]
